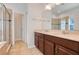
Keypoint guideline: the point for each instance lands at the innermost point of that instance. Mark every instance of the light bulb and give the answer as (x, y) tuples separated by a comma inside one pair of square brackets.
[(48, 7)]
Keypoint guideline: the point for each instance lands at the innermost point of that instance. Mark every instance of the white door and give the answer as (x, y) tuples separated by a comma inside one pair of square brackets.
[(18, 26)]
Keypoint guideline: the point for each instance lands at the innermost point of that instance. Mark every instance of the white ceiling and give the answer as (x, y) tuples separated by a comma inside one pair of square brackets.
[(65, 8), (17, 6), (59, 9)]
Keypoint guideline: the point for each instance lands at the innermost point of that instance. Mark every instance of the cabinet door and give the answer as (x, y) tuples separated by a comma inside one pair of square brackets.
[(49, 48), (41, 44), (63, 51), (36, 41)]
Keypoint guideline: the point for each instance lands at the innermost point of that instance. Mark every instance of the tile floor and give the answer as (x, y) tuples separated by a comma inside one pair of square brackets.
[(21, 48)]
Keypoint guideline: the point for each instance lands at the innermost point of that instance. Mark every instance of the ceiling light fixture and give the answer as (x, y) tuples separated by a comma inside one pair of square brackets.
[(49, 6)]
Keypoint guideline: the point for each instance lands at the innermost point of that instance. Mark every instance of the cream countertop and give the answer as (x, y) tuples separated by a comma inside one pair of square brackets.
[(58, 33)]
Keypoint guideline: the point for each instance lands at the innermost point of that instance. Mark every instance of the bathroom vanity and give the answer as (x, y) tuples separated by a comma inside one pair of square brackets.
[(57, 43)]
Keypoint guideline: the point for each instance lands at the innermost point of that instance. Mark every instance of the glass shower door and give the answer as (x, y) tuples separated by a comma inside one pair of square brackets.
[(4, 24), (1, 23)]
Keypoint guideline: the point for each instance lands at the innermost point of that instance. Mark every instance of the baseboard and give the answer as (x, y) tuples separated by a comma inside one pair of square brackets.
[(31, 46)]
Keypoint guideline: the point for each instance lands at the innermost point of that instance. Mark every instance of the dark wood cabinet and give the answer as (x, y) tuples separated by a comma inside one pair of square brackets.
[(41, 45), (59, 50), (53, 45), (49, 48), (36, 41), (39, 42)]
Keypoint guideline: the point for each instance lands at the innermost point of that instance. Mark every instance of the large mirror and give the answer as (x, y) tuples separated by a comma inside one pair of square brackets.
[(67, 17)]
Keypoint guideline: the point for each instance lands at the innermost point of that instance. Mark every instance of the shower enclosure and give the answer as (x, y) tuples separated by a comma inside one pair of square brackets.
[(5, 23)]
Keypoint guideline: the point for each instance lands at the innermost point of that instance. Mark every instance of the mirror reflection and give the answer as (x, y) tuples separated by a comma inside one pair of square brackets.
[(66, 17)]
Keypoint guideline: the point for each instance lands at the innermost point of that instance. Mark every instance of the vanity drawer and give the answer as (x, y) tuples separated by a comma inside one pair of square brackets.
[(73, 45), (60, 50), (39, 34), (50, 38)]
